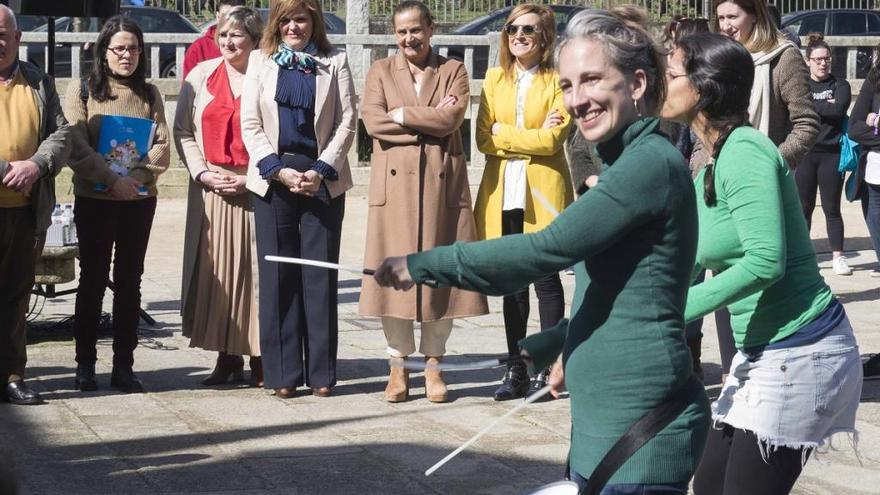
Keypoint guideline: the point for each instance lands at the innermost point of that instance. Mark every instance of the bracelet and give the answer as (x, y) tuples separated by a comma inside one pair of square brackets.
[(199, 176)]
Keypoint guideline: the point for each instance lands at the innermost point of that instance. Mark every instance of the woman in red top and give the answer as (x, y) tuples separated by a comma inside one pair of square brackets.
[(218, 300)]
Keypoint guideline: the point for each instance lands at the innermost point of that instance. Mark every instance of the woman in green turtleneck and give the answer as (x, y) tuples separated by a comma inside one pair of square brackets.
[(633, 237)]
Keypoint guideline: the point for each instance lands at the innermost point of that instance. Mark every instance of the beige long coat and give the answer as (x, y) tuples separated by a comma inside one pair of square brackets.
[(419, 195)]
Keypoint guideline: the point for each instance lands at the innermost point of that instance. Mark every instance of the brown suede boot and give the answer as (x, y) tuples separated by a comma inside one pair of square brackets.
[(229, 368), (398, 384), (695, 346), (435, 388)]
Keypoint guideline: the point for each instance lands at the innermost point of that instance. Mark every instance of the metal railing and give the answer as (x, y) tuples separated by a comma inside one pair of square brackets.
[(853, 56)]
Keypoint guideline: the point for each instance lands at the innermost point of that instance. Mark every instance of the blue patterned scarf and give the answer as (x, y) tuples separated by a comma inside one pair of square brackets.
[(302, 61)]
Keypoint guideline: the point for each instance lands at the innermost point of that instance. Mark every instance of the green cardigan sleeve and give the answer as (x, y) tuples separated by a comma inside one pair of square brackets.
[(545, 346), (629, 194), (748, 178)]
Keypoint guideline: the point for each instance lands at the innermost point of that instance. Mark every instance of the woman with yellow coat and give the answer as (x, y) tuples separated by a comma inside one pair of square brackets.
[(525, 166)]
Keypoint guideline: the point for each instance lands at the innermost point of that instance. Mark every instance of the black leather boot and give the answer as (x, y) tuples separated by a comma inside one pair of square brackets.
[(540, 381), (515, 383), (125, 381), (85, 378)]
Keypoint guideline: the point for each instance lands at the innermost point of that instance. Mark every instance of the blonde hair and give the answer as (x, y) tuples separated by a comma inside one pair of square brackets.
[(764, 36), (546, 37), (280, 9), (623, 35), (245, 18)]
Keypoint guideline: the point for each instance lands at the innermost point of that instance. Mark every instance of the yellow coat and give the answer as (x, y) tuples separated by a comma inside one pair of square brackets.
[(542, 149)]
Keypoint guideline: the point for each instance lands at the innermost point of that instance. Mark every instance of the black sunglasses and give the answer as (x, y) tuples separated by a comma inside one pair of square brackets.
[(527, 29)]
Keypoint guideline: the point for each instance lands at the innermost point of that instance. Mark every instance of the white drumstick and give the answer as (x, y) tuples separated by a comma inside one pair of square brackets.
[(532, 398), (320, 264), (470, 366), (544, 202)]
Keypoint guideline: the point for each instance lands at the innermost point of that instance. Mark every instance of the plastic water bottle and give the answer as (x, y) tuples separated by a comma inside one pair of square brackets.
[(70, 235), (55, 234)]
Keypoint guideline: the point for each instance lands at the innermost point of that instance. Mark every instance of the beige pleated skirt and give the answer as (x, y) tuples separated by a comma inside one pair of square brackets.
[(221, 315)]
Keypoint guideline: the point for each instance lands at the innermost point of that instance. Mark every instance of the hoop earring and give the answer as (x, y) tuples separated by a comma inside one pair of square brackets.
[(636, 104)]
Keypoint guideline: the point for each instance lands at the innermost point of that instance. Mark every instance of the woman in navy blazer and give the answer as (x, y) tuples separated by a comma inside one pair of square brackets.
[(298, 121)]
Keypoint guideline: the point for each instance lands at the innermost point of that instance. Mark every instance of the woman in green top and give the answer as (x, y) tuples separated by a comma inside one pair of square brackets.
[(796, 378), (633, 239)]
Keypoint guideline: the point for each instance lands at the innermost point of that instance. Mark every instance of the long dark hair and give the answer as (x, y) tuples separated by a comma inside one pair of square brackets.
[(99, 84), (722, 72)]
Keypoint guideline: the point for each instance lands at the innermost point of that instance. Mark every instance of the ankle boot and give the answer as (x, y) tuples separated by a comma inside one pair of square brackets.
[(398, 384), (228, 368), (515, 383), (695, 346), (540, 381), (435, 388), (256, 364)]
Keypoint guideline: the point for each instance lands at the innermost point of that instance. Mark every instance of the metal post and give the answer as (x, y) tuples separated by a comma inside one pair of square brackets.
[(50, 46)]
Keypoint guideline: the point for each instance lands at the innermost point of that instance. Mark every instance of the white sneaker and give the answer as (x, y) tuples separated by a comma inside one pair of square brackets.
[(840, 266), (875, 273)]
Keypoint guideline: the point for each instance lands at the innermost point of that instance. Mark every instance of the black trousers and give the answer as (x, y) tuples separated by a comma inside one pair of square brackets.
[(101, 225), (819, 170), (299, 326), (551, 299), (18, 249), (732, 465)]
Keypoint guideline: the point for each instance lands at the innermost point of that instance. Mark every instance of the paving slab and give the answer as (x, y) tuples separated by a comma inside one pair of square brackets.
[(183, 438)]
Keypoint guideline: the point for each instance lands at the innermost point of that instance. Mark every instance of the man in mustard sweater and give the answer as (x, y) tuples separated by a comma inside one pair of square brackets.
[(33, 148)]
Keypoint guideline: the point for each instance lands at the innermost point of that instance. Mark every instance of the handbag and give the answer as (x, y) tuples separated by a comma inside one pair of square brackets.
[(849, 151), (851, 188)]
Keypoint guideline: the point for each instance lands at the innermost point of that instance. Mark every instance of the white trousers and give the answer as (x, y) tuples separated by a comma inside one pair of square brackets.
[(402, 342)]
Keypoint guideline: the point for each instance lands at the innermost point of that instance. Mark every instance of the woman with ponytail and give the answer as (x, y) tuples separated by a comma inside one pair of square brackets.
[(796, 377)]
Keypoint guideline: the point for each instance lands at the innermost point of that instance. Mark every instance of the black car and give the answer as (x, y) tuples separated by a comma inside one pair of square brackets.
[(494, 23), (838, 22), (30, 22), (150, 20)]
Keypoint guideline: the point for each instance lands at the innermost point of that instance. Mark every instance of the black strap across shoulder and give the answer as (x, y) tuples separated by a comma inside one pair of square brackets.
[(639, 434)]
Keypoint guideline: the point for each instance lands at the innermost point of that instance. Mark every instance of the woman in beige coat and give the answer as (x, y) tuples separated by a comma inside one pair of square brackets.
[(413, 106), (219, 296)]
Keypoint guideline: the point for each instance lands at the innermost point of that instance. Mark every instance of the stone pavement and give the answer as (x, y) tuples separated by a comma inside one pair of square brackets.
[(184, 438)]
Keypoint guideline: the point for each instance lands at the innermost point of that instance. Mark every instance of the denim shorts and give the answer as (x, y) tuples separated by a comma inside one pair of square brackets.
[(795, 397)]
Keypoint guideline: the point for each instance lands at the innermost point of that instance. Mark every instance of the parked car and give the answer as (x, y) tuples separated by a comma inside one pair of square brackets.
[(493, 23), (150, 20), (332, 22), (29, 22), (838, 22)]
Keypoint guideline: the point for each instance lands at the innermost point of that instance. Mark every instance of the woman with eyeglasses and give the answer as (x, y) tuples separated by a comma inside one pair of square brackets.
[(219, 295), (298, 121), (522, 126), (819, 169), (114, 203), (796, 377), (413, 107)]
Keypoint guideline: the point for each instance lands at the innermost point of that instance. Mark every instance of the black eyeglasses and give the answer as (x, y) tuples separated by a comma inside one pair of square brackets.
[(526, 29), (819, 60), (120, 50)]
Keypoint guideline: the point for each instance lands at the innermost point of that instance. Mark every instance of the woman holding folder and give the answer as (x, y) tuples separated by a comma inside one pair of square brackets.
[(115, 190)]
